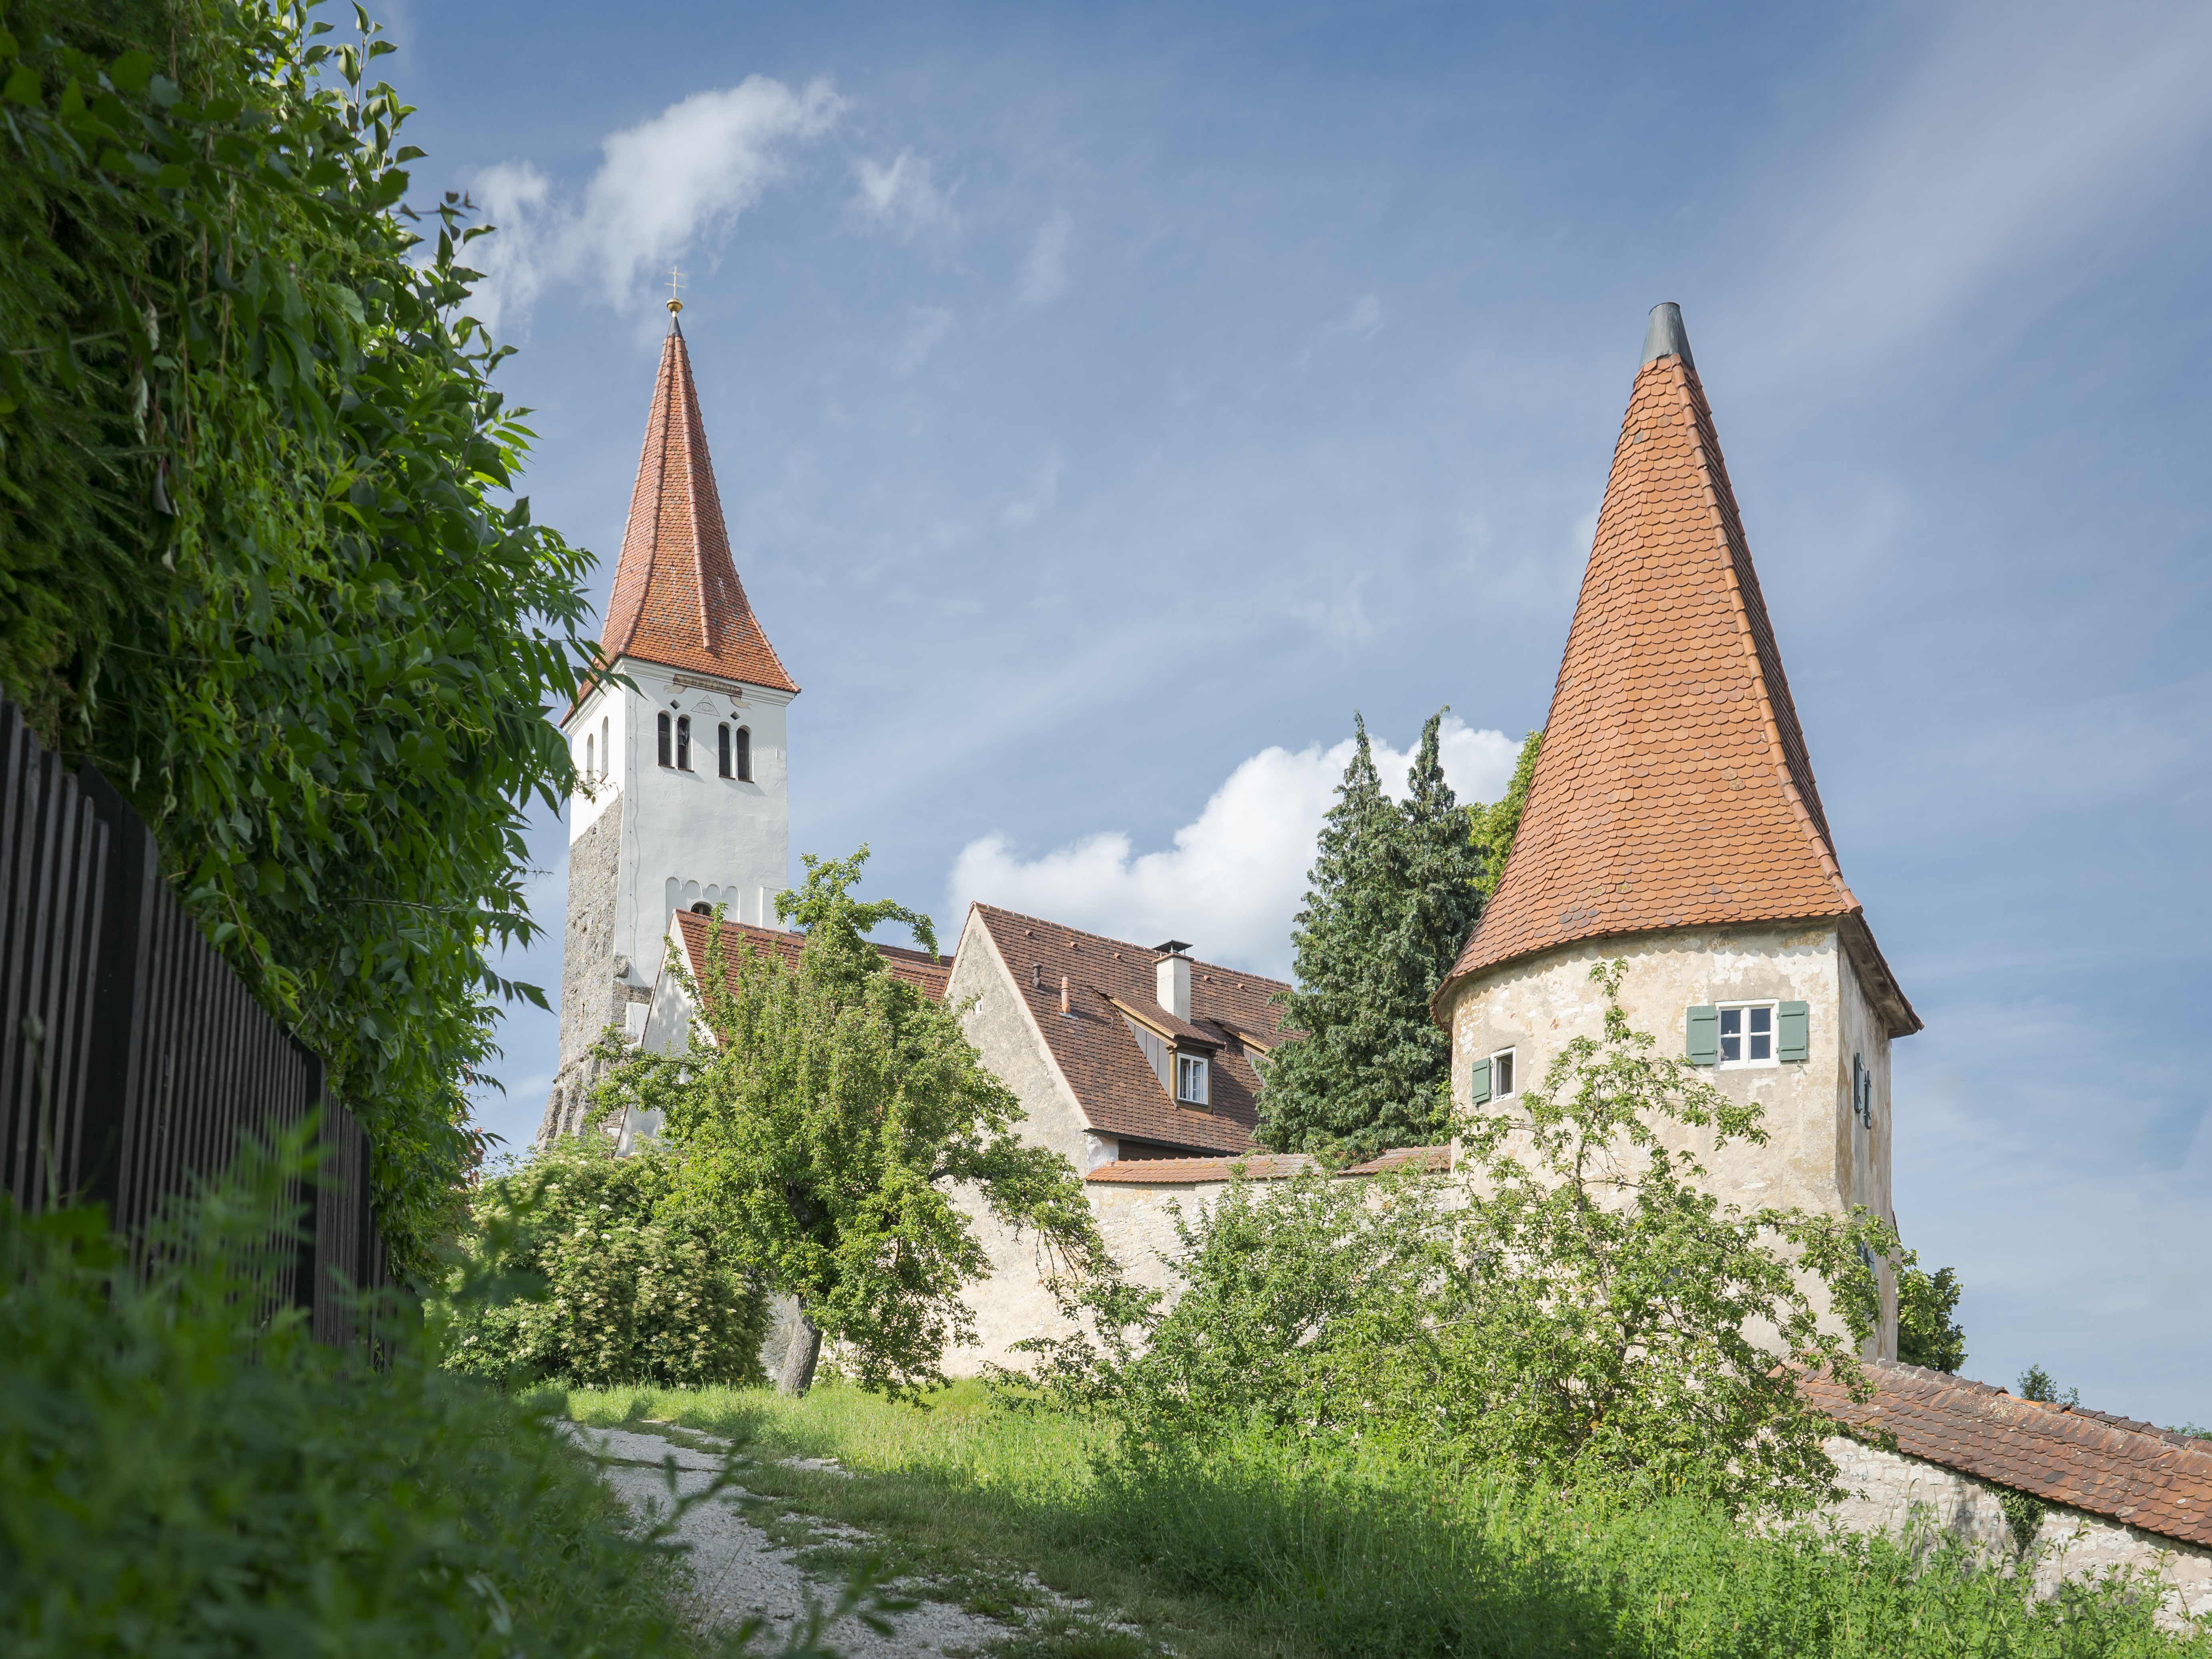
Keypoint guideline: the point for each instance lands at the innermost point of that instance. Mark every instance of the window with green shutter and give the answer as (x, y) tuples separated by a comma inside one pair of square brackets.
[(1704, 1027), (1793, 1040), (1478, 1082)]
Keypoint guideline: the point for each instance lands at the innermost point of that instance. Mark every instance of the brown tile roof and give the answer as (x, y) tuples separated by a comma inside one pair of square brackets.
[(1190, 1171), (1673, 789), (676, 599), (1262, 1166), (1429, 1160), (916, 968), (2110, 1466), (1119, 1093)]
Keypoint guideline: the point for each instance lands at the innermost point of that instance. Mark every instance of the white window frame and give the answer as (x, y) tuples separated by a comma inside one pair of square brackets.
[(1512, 1074), (1773, 1005), (1197, 1067)]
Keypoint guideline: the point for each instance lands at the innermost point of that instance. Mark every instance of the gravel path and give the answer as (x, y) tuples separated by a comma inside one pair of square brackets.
[(740, 1572)]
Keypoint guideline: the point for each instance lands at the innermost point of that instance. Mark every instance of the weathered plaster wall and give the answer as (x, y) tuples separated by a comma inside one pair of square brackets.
[(1536, 1005), (1012, 1303), (1887, 1488)]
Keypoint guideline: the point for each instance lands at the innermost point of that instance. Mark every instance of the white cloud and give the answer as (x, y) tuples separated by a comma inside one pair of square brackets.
[(1044, 270), (902, 198), (1236, 876), (1020, 514), (662, 187)]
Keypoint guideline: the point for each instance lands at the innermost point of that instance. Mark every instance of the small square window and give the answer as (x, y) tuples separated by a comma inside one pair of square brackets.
[(1747, 1033), (1190, 1079), (1501, 1074)]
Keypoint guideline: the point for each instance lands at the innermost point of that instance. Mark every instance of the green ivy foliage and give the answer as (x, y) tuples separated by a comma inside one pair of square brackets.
[(260, 562), (627, 1288)]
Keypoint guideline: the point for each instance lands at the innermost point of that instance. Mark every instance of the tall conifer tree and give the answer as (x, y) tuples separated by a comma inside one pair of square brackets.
[(1393, 894)]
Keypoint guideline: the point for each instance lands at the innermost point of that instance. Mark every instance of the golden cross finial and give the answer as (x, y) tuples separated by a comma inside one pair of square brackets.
[(675, 273)]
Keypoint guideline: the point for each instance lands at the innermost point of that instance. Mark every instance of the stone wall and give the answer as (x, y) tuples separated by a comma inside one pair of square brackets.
[(593, 994), (1886, 1489)]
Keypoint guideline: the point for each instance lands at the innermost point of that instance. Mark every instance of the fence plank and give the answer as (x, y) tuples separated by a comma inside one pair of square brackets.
[(131, 1057)]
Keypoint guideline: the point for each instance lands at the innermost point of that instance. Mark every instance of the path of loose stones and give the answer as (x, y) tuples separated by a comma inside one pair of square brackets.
[(739, 1572)]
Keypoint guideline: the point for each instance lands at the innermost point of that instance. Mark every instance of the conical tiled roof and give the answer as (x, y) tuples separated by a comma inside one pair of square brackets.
[(677, 601), (1673, 789)]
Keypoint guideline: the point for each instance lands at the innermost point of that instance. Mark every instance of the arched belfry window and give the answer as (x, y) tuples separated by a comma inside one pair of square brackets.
[(684, 743), (722, 750), (745, 747), (591, 755), (667, 756)]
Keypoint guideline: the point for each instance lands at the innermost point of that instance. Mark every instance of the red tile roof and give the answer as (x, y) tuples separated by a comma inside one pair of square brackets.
[(677, 601), (1119, 1093), (2115, 1467), (1261, 1166), (1429, 1160), (1673, 789), (916, 968), (1192, 1171)]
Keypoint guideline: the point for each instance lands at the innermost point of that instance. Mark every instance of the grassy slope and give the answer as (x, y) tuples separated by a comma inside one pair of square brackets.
[(1253, 1552)]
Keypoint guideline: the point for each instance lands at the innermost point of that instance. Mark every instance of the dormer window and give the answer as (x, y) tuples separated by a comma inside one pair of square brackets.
[(684, 743), (1191, 1080)]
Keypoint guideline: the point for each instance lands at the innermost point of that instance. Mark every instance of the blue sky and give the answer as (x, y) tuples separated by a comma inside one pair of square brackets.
[(1107, 401)]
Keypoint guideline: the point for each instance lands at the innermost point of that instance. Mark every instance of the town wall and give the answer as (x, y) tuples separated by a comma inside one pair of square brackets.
[(1891, 1493)]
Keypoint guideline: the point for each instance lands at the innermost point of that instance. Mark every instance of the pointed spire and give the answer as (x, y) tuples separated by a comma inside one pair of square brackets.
[(1673, 789), (677, 601)]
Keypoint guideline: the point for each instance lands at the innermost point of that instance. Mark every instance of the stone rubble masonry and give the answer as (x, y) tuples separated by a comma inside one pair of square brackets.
[(592, 995), (1889, 1491)]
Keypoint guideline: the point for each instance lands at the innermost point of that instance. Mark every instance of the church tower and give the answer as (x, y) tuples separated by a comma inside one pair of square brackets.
[(1673, 821), (683, 800)]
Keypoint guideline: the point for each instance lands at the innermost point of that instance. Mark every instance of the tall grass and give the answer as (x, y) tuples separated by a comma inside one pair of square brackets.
[(181, 1474), (1253, 1547)]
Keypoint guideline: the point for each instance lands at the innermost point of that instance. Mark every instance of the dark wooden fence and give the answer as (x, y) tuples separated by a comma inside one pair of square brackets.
[(130, 1055)]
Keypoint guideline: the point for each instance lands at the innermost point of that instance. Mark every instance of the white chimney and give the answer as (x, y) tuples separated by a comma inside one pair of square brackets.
[(1174, 977)]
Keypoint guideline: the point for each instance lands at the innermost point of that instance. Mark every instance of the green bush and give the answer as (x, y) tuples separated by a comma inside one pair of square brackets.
[(629, 1290), (182, 1476)]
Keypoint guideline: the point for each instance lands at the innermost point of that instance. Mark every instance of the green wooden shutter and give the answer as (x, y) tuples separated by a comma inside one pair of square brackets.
[(1704, 1031), (1478, 1082), (1793, 1041)]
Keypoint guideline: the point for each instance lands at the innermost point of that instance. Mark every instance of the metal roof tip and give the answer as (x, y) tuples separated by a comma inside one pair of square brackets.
[(1666, 337)]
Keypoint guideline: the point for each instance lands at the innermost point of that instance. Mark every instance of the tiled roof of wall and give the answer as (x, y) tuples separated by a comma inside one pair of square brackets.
[(2115, 1467), (1260, 1166), (676, 597), (1673, 789), (916, 968), (1119, 1093)]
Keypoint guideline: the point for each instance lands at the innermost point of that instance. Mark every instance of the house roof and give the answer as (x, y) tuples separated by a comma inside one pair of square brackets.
[(677, 599), (2117, 1467), (917, 968), (1260, 1166), (1097, 1052), (1673, 788)]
